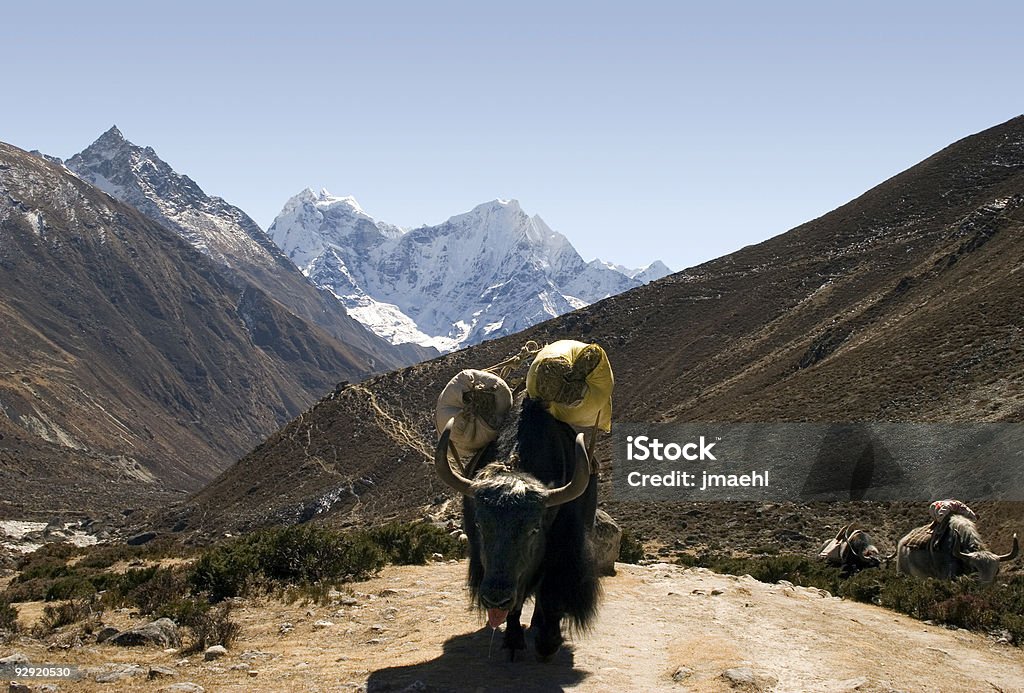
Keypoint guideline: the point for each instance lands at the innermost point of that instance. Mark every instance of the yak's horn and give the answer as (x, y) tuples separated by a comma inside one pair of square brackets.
[(841, 535), (580, 478), (444, 467), (1013, 552)]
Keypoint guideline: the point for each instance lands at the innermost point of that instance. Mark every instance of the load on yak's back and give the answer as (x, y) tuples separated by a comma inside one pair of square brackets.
[(529, 486)]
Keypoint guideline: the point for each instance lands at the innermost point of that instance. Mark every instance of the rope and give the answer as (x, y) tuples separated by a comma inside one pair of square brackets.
[(510, 365)]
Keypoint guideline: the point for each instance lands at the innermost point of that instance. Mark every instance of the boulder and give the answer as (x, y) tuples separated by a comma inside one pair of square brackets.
[(186, 687), (140, 539), (607, 536), (746, 679), (157, 672), (161, 632), (106, 634), (124, 672), (214, 652), (15, 659)]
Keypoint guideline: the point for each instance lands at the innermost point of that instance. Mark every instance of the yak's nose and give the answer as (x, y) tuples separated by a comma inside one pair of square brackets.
[(498, 598)]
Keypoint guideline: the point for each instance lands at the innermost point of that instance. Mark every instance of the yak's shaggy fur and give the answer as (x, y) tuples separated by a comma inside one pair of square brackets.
[(541, 451)]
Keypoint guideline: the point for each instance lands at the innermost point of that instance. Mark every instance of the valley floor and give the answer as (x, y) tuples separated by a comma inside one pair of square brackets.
[(661, 627)]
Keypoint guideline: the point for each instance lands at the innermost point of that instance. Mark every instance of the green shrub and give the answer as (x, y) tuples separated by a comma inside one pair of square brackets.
[(310, 553), (295, 554), (150, 589), (8, 618), (225, 570), (866, 586), (211, 627), (29, 591), (106, 555), (964, 603), (45, 567), (66, 613), (69, 587), (414, 544), (56, 552), (631, 550)]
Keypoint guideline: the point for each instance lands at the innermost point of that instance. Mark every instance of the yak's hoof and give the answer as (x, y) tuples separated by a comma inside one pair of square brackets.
[(512, 651), (547, 646), (514, 641)]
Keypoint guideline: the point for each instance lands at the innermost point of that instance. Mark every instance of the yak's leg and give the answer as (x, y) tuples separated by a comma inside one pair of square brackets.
[(514, 639), (547, 625)]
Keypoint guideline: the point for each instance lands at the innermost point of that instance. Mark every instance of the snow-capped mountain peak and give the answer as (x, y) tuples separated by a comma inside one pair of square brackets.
[(491, 271), (649, 273)]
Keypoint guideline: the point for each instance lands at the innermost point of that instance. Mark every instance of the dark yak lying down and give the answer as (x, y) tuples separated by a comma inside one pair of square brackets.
[(527, 512)]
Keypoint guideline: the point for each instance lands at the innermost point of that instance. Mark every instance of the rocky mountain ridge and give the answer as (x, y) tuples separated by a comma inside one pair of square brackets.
[(227, 235), (133, 366)]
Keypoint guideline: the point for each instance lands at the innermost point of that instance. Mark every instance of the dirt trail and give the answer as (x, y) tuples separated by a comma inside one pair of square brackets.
[(660, 628)]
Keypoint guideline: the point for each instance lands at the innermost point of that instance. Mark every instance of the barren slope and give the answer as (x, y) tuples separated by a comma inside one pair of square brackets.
[(130, 364)]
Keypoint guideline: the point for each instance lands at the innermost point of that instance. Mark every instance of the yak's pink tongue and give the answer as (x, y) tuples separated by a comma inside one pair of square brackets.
[(495, 617)]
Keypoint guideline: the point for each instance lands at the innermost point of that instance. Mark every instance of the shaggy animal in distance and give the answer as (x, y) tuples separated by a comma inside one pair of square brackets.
[(527, 513), (852, 550), (949, 550)]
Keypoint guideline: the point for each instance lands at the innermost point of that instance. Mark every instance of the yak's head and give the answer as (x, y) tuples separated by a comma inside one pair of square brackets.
[(865, 553), (512, 511), (968, 548)]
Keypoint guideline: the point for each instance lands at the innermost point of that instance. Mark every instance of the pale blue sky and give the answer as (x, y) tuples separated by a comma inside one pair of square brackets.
[(678, 131)]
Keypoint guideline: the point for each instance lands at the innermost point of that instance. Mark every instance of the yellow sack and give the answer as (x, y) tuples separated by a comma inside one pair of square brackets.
[(479, 402), (576, 381)]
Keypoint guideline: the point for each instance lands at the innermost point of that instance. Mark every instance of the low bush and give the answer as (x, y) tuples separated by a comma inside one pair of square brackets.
[(413, 544), (312, 554), (8, 618), (631, 550), (211, 626), (71, 611), (963, 603), (308, 559), (150, 589), (106, 555)]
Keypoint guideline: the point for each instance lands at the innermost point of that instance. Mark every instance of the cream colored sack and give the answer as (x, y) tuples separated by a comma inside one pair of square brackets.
[(576, 381), (479, 402)]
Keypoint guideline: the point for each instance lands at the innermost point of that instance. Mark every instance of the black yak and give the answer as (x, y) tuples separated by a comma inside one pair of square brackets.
[(527, 514)]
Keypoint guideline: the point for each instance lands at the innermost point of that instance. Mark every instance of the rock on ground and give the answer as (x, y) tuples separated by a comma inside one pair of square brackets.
[(214, 652), (607, 537), (162, 632)]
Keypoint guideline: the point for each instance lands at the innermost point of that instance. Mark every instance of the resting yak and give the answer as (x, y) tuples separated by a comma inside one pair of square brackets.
[(527, 514), (958, 551), (852, 550)]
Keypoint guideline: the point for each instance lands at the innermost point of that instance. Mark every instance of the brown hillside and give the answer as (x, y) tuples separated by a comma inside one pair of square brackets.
[(902, 305), (131, 366)]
